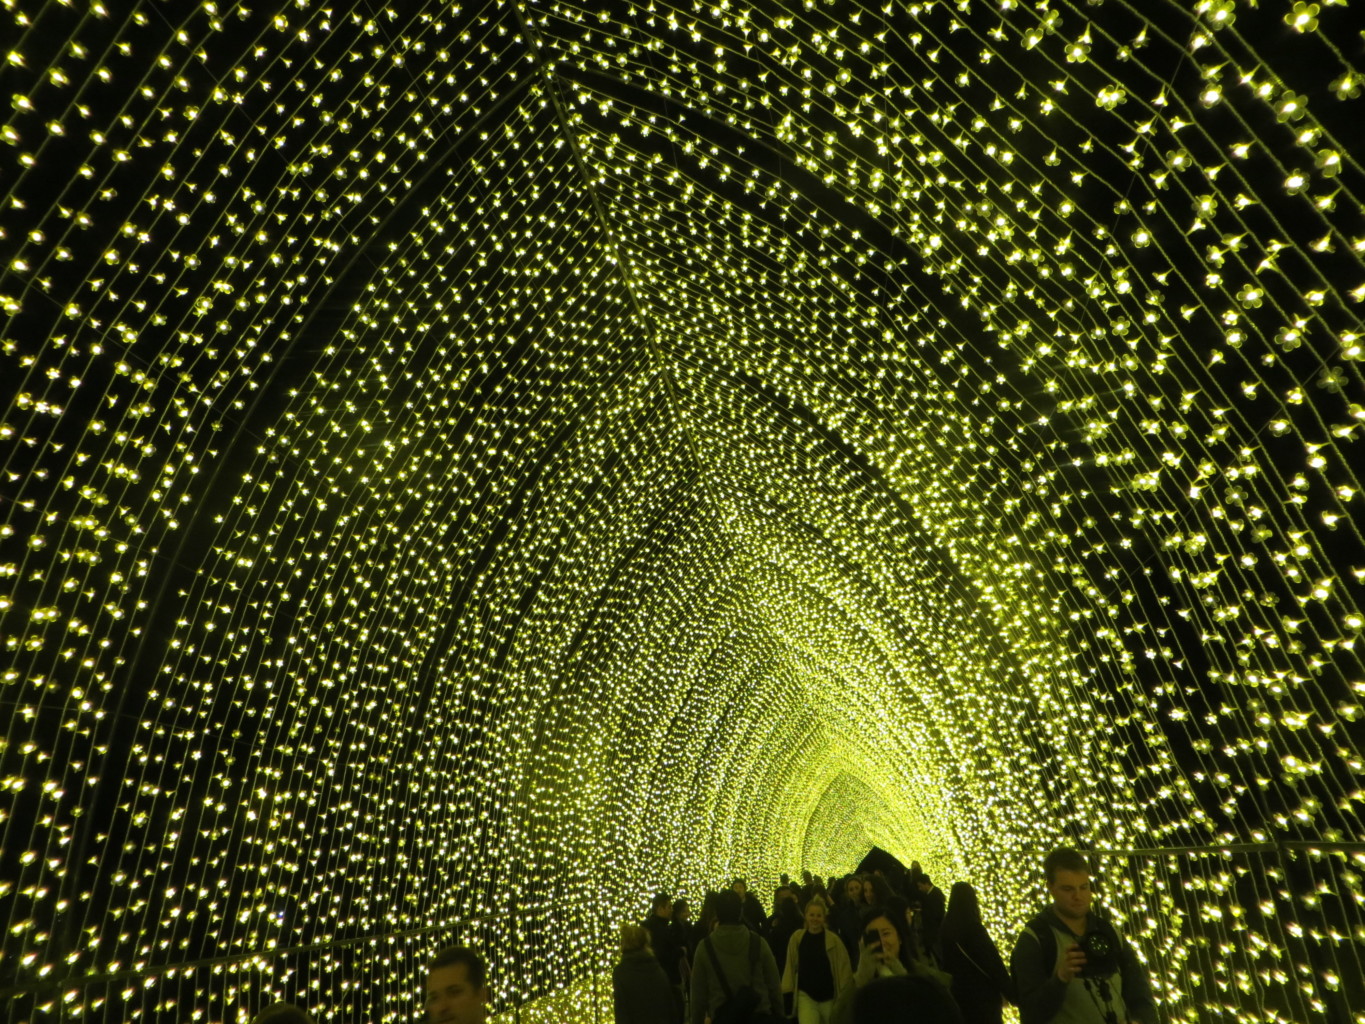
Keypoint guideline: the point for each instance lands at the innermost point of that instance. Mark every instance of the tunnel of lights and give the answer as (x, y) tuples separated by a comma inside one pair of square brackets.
[(469, 466)]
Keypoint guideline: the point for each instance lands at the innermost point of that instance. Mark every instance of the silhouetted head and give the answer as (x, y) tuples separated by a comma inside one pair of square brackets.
[(908, 999), (728, 908)]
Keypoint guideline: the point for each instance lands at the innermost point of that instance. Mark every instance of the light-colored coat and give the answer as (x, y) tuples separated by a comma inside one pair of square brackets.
[(838, 962)]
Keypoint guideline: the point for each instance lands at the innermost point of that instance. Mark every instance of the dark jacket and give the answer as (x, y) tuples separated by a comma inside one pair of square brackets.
[(664, 937), (781, 927), (847, 921), (751, 912), (979, 976), (641, 992), (734, 945), (933, 907), (1043, 998)]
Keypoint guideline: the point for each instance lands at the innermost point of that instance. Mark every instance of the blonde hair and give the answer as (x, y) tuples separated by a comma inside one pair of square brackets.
[(633, 937), (816, 900)]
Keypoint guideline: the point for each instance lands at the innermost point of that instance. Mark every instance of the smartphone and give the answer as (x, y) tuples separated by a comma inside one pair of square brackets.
[(872, 939)]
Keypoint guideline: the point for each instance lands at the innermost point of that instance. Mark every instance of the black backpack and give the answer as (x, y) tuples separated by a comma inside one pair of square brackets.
[(741, 1004)]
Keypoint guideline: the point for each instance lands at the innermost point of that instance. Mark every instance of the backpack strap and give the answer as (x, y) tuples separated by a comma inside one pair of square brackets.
[(1047, 945), (715, 963)]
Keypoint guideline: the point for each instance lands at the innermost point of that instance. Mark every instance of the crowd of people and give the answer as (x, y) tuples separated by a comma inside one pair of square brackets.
[(865, 949), (878, 949)]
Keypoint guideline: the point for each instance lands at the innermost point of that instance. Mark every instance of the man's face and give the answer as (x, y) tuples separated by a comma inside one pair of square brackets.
[(451, 999), (740, 888), (922, 885), (1071, 894), (663, 910)]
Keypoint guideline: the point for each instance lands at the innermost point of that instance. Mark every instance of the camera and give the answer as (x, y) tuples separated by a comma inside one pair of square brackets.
[(1101, 955)]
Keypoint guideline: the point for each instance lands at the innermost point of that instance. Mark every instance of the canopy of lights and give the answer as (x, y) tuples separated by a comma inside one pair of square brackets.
[(467, 467)]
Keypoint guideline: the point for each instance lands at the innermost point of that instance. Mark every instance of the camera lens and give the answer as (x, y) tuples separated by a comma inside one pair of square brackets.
[(1100, 960)]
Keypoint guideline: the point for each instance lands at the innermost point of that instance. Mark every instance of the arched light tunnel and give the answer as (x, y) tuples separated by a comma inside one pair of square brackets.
[(470, 466)]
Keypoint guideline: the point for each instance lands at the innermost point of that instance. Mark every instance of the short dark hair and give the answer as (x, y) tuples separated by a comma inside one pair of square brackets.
[(728, 909), (282, 1013), (924, 879), (661, 899), (473, 963), (1063, 858), (738, 881)]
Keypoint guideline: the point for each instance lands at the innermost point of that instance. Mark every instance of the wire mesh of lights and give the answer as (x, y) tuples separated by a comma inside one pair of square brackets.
[(486, 464)]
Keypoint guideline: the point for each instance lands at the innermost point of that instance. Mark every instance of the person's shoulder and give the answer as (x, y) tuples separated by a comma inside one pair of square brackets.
[(1101, 921), (1035, 927)]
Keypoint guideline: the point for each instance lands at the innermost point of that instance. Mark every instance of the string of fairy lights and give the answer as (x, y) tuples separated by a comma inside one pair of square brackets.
[(467, 468)]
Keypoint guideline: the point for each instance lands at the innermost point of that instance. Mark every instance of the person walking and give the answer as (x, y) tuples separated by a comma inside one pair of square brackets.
[(817, 967), (668, 941), (730, 959), (933, 905), (981, 984), (785, 922), (846, 917), (640, 989)]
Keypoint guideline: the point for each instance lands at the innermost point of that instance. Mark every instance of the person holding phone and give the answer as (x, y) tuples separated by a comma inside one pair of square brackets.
[(886, 951)]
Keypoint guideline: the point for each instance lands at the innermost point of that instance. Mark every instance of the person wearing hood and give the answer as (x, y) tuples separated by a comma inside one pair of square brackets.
[(1070, 965), (731, 958), (640, 989)]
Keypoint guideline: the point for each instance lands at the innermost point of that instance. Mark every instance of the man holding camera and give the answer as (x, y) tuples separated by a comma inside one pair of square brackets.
[(1070, 965)]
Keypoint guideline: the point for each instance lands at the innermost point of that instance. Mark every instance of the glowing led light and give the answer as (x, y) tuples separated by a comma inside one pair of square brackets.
[(461, 458)]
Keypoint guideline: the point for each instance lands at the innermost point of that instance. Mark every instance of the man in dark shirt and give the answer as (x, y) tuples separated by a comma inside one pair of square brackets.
[(933, 905), (750, 912), (1056, 981), (663, 937)]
